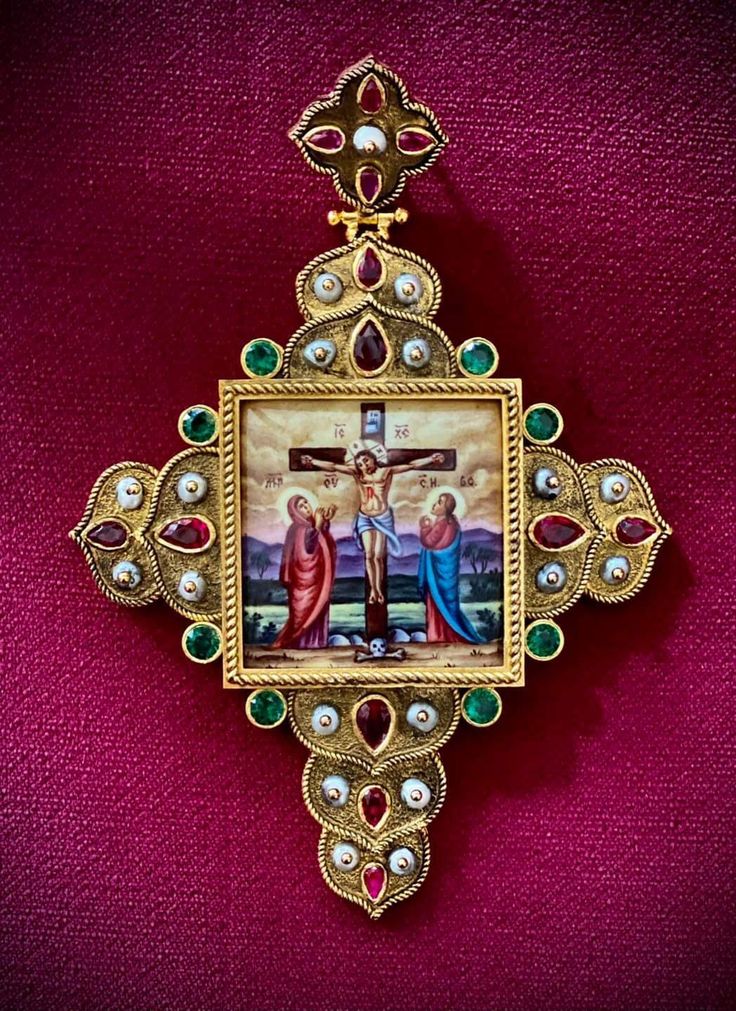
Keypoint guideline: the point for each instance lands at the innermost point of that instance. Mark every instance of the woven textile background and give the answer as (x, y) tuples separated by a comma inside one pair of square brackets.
[(156, 850)]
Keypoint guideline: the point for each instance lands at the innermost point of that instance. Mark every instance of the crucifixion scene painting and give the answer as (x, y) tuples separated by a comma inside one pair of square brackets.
[(372, 532)]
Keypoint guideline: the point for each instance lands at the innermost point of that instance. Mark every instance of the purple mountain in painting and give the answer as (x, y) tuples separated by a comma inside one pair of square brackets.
[(350, 556)]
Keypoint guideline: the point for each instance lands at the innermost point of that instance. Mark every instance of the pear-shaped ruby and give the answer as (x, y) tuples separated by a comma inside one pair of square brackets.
[(374, 806), (370, 349), (374, 881), (368, 182), (108, 535), (369, 268), (634, 530), (555, 532), (330, 140), (371, 96), (414, 141), (373, 720), (190, 533)]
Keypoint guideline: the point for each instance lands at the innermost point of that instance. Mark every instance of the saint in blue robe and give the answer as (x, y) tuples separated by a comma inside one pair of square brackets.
[(439, 579)]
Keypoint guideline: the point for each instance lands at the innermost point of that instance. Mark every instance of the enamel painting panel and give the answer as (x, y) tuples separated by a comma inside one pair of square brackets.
[(372, 534)]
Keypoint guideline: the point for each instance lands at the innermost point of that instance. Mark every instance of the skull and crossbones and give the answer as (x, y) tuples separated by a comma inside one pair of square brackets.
[(378, 650)]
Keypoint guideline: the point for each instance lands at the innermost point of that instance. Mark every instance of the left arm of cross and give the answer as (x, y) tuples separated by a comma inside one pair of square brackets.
[(425, 461)]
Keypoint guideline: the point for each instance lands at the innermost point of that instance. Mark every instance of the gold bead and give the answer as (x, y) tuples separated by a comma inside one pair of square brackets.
[(320, 354), (333, 794), (416, 795), (370, 147), (402, 863), (553, 482), (617, 487), (416, 354), (325, 721), (619, 574), (124, 578), (346, 859), (553, 578), (190, 586), (328, 284), (192, 486), (133, 489), (408, 288), (401, 215), (422, 716)]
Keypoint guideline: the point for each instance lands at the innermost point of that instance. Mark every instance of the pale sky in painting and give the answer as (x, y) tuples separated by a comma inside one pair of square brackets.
[(271, 428)]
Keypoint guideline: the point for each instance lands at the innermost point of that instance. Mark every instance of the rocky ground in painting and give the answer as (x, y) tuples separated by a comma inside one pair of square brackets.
[(420, 654)]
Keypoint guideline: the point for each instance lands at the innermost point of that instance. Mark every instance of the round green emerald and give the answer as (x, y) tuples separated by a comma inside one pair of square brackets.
[(481, 706), (267, 708), (543, 640), (202, 642), (543, 424), (478, 357), (262, 358), (199, 425)]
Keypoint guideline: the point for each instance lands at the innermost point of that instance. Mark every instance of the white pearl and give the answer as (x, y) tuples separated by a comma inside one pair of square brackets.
[(422, 716), (337, 785), (558, 574), (133, 571), (327, 287), (402, 861), (345, 856), (416, 353), (612, 567), (369, 140), (126, 498), (325, 720), (189, 497), (415, 794), (200, 586), (615, 488), (408, 289)]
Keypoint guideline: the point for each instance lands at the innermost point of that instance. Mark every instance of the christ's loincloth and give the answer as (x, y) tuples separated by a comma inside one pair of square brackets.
[(383, 524)]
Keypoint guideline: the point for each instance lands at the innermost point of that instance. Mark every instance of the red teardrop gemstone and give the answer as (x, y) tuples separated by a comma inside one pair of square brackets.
[(371, 96), (374, 881), (328, 140), (374, 806), (373, 720), (368, 183), (190, 533), (414, 142), (634, 530), (370, 350), (555, 532), (108, 535), (369, 268)]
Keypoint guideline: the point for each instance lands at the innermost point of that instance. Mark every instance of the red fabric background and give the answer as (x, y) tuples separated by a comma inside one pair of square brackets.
[(156, 850)]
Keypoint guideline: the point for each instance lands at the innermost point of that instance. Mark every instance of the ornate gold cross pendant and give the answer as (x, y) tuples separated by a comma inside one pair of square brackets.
[(372, 530)]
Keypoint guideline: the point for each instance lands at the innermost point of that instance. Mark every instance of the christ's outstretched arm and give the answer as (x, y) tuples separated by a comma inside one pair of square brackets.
[(425, 461), (341, 468)]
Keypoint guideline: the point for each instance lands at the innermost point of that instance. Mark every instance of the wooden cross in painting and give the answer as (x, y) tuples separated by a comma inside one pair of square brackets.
[(373, 470)]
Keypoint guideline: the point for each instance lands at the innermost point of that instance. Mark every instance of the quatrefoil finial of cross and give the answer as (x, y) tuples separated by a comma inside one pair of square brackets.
[(369, 136)]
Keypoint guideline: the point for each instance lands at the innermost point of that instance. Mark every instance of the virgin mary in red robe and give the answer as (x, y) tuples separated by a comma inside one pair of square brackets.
[(308, 573)]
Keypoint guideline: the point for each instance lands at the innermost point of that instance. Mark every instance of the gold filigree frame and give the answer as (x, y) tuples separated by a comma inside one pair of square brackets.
[(508, 393)]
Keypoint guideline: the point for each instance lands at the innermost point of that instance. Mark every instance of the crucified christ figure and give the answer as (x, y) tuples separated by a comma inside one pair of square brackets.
[(374, 524)]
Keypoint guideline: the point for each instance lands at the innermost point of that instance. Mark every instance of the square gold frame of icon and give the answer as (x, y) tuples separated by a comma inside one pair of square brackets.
[(235, 393)]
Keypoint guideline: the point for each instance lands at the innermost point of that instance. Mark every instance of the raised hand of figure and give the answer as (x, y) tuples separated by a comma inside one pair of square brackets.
[(319, 517), (330, 512), (425, 521), (307, 461), (438, 457)]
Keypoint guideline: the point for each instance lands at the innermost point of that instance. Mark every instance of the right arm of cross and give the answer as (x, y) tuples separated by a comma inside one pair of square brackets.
[(340, 468)]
